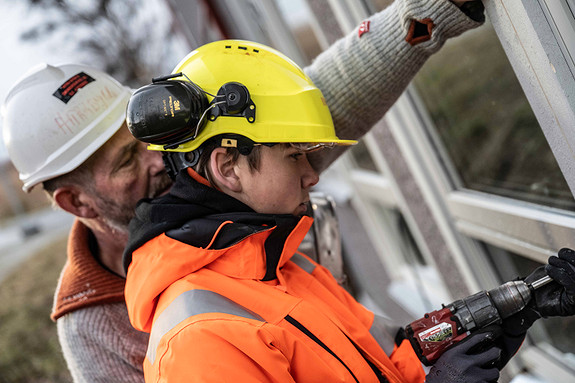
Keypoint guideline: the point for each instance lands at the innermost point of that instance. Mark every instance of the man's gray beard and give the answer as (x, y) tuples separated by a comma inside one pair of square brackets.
[(118, 216)]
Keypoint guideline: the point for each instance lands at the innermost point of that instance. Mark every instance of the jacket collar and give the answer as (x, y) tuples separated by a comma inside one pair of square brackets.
[(190, 198), (203, 217)]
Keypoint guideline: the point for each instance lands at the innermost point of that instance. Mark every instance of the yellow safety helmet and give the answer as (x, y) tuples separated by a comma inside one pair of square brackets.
[(231, 88)]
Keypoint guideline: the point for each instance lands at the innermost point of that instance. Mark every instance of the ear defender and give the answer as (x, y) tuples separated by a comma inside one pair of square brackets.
[(173, 112), (165, 112)]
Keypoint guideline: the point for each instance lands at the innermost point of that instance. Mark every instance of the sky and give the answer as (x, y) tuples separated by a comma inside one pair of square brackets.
[(17, 56)]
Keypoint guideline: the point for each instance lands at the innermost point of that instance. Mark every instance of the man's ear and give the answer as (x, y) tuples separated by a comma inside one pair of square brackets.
[(74, 201), (223, 172)]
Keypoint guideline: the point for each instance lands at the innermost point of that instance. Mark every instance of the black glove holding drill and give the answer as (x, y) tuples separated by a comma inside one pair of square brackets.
[(446, 338), (554, 299)]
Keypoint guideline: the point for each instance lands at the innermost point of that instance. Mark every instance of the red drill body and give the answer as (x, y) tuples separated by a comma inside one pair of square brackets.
[(437, 331)]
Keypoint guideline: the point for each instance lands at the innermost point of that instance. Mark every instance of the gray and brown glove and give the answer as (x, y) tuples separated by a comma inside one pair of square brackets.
[(473, 360)]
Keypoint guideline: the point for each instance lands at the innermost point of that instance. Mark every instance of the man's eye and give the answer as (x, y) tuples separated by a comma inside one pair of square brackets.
[(296, 156), (131, 157), (128, 161)]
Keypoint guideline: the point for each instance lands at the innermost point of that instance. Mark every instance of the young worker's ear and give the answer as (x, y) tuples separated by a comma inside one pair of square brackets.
[(223, 171), (74, 201)]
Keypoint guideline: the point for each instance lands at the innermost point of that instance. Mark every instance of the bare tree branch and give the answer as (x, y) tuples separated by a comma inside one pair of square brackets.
[(119, 36)]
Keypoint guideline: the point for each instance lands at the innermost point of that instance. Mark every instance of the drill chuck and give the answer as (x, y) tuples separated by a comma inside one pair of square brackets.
[(510, 298)]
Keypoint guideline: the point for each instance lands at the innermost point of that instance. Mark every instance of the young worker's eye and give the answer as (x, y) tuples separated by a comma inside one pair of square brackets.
[(296, 156)]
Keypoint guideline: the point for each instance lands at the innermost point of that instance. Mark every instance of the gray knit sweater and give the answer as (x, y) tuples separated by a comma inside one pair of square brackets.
[(360, 77)]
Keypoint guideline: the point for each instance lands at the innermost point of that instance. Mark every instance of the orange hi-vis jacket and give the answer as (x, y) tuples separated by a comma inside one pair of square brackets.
[(254, 309)]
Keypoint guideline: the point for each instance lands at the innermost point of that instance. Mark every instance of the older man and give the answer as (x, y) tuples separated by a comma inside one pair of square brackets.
[(75, 143)]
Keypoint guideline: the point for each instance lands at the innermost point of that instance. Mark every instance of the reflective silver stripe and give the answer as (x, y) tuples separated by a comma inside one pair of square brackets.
[(303, 262), (384, 333), (188, 304)]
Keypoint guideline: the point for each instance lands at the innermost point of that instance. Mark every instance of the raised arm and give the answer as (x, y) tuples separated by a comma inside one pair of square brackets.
[(362, 75)]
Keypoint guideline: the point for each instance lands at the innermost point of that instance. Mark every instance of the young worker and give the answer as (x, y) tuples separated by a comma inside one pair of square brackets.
[(213, 271), (69, 148)]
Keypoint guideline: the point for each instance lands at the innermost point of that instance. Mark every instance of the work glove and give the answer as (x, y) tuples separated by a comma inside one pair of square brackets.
[(554, 299), (469, 361), (558, 299)]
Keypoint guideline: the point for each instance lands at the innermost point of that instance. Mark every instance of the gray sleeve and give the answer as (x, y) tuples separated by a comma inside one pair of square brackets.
[(100, 345), (361, 77)]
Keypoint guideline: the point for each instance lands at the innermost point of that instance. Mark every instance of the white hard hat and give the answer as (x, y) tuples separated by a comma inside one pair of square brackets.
[(56, 117)]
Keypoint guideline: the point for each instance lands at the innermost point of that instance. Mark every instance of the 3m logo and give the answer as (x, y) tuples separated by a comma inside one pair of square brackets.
[(68, 89)]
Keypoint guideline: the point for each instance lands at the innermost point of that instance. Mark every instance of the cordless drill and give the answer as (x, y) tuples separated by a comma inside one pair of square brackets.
[(439, 330)]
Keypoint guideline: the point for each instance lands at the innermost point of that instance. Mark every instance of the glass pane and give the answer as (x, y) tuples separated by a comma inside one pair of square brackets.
[(559, 332), (362, 157), (486, 124)]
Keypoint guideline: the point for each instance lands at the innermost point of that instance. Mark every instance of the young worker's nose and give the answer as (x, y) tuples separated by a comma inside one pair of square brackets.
[(309, 177)]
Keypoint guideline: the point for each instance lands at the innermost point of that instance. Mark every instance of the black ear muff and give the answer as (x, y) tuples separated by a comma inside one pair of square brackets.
[(171, 112), (166, 112)]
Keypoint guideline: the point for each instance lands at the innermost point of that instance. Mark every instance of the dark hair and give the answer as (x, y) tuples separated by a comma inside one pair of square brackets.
[(208, 147)]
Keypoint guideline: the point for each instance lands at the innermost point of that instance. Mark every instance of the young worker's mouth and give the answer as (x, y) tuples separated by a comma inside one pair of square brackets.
[(302, 209)]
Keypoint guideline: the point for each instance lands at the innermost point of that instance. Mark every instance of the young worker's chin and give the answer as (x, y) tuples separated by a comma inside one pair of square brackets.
[(302, 209)]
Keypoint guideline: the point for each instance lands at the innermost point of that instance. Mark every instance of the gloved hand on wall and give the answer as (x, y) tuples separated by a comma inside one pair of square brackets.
[(554, 299), (468, 361)]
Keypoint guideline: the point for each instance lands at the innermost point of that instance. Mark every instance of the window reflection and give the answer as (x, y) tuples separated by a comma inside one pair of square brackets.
[(486, 123)]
